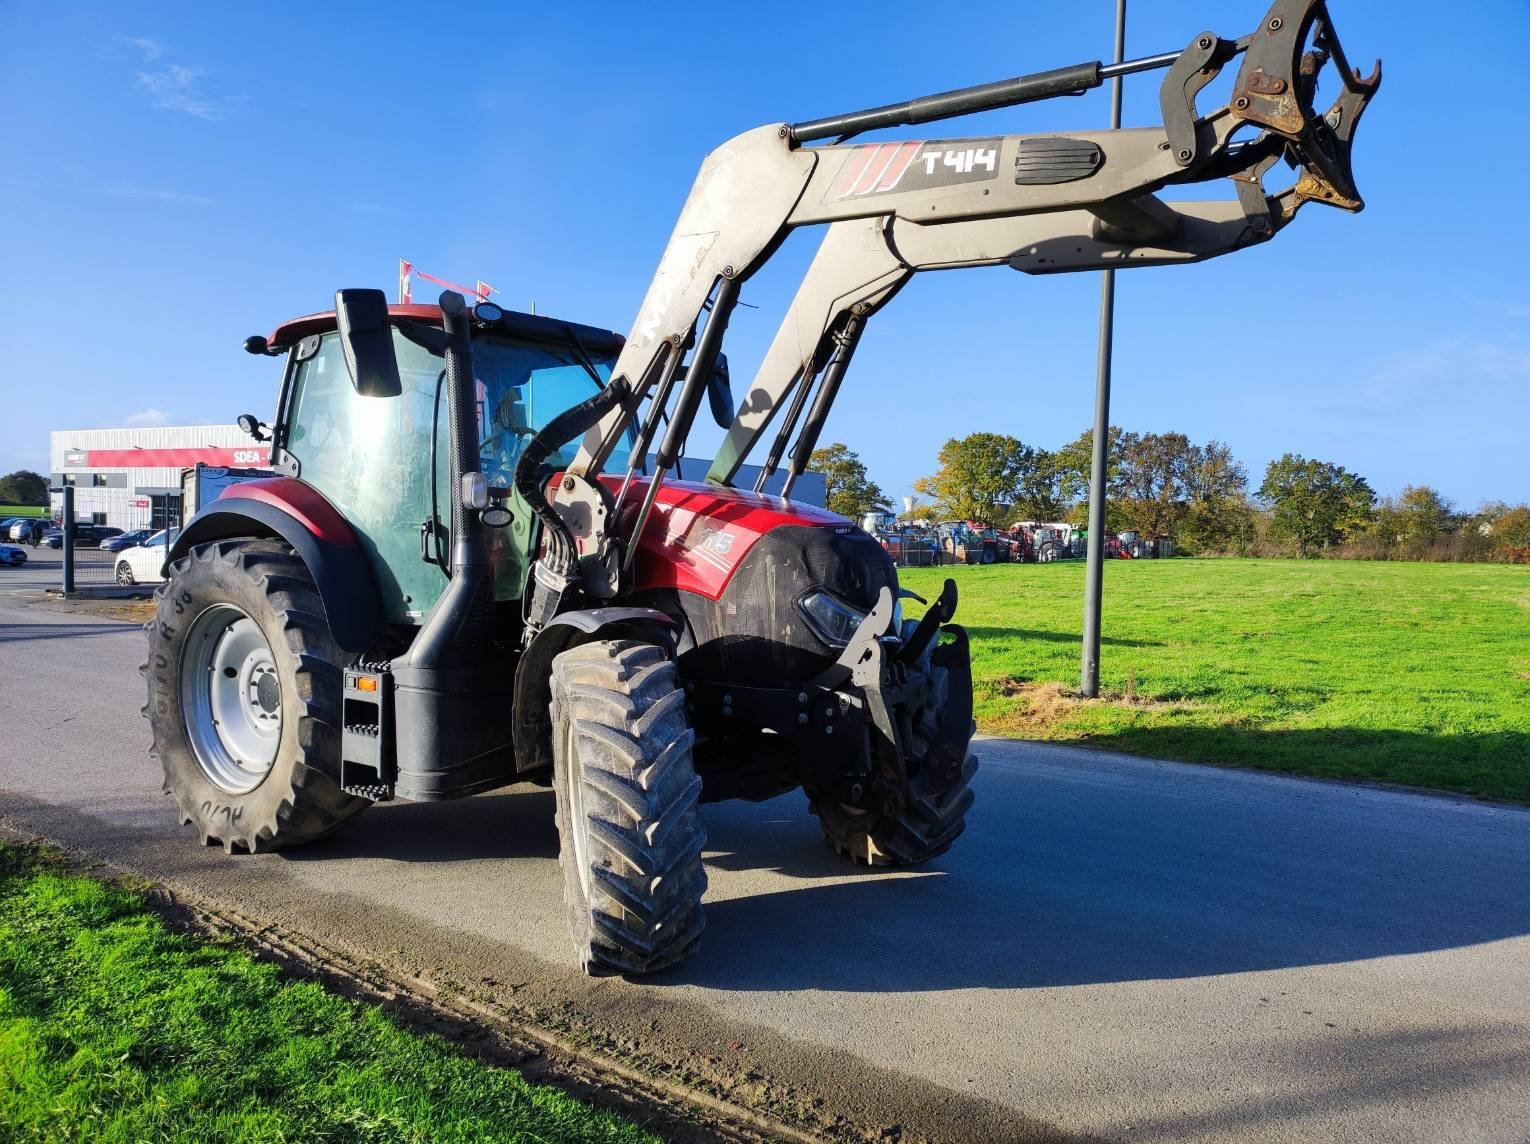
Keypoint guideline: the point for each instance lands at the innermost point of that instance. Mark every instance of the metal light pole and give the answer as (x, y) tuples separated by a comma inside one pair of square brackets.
[(1094, 571)]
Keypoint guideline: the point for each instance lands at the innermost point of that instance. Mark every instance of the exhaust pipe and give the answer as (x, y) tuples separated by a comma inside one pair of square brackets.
[(460, 627)]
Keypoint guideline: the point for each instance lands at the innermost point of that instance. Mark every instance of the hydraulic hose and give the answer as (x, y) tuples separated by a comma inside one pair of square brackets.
[(529, 481)]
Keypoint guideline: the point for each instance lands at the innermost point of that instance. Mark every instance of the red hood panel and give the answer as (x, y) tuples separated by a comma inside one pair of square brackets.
[(698, 533)]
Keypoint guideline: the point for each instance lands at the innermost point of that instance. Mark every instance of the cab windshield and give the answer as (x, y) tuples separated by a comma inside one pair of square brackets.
[(370, 456)]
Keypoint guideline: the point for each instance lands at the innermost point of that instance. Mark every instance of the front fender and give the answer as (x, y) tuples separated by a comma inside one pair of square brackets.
[(533, 674), (316, 532)]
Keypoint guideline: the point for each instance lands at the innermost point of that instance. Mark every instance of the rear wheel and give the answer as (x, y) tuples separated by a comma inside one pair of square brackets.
[(630, 834), (1047, 553), (244, 687)]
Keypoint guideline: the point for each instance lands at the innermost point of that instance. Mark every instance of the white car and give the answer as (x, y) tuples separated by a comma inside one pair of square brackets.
[(142, 563)]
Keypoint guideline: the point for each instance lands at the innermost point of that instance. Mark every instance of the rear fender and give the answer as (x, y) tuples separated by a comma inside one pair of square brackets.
[(533, 674), (294, 512)]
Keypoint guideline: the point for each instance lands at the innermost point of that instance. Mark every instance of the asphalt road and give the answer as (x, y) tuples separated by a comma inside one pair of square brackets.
[(1118, 948)]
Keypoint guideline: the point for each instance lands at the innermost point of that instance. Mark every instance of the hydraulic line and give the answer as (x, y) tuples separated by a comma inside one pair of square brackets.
[(823, 401)]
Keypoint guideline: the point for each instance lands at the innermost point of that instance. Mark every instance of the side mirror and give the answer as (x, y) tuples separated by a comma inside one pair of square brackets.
[(366, 338), (720, 393)]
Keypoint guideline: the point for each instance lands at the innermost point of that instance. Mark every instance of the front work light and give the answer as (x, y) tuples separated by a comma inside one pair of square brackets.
[(832, 620)]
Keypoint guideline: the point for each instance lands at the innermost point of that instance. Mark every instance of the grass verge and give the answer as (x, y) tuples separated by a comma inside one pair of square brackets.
[(114, 1028), (1408, 673)]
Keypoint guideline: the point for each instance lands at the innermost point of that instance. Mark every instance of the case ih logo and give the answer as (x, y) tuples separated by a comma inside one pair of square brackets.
[(880, 168), (74, 457)]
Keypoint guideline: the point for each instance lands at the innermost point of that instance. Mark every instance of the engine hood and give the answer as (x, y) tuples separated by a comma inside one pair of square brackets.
[(698, 534)]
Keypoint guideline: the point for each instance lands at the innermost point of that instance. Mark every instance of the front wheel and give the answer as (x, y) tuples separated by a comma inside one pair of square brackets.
[(887, 829), (244, 685), (629, 831), (125, 575)]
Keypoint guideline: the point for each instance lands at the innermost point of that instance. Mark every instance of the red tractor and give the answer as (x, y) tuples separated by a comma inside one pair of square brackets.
[(470, 571)]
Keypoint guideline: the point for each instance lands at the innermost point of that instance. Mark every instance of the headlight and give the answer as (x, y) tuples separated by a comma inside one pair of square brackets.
[(833, 621)]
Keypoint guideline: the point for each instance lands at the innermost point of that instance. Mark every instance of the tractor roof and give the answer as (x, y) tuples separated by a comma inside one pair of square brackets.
[(515, 324)]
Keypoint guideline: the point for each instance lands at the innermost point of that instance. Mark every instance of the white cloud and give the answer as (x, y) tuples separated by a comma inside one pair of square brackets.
[(151, 48), (116, 190), (1443, 377), (147, 417), (178, 87)]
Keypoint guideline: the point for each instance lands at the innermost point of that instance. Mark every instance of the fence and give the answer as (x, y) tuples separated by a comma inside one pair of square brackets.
[(122, 555)]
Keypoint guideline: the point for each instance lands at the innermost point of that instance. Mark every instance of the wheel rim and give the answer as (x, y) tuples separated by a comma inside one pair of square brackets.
[(124, 574), (231, 698), (576, 821)]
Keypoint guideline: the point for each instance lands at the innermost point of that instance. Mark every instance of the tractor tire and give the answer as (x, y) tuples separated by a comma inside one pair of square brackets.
[(244, 684), (987, 556), (629, 831), (888, 832), (1047, 553)]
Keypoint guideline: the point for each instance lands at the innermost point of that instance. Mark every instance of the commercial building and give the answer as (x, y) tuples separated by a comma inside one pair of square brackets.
[(131, 478)]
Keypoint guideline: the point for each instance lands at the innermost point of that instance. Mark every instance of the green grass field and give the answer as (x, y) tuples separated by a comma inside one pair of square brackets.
[(1409, 673), (112, 1028)]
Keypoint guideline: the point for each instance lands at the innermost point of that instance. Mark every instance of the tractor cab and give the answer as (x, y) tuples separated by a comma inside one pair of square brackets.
[(383, 461)]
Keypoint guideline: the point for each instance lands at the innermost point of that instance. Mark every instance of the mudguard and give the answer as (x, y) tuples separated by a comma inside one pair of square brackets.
[(293, 511), (533, 674)]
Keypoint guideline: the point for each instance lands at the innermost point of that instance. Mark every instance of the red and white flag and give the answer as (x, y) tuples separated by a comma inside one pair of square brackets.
[(404, 296), (483, 290)]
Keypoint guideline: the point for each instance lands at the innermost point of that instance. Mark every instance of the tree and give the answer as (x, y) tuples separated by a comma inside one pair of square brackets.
[(1217, 514), (24, 487), (1073, 462), (1152, 485), (1414, 520), (978, 474), (1315, 503), (849, 492), (1511, 527), (1042, 492)]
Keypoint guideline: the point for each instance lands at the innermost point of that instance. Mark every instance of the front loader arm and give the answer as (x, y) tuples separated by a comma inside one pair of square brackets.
[(863, 263), (1041, 203)]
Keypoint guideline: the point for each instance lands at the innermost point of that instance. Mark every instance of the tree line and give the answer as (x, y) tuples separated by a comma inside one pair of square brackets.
[(1164, 484)]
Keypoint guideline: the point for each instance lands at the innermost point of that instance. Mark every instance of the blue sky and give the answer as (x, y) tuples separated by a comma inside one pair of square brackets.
[(175, 177)]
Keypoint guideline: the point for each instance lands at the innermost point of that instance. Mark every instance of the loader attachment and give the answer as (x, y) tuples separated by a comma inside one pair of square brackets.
[(1044, 204)]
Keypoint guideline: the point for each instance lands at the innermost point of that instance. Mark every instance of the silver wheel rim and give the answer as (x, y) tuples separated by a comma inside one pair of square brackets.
[(576, 824), (231, 698), (124, 574)]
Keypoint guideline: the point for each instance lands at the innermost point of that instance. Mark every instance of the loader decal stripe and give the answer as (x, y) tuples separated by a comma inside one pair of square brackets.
[(914, 165), (874, 168), (881, 159), (851, 171), (899, 165)]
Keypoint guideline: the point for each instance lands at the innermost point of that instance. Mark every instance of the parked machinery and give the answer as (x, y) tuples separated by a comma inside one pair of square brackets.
[(1041, 542)]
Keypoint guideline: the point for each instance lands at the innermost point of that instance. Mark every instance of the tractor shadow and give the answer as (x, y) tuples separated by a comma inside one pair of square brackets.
[(514, 823), (1085, 871)]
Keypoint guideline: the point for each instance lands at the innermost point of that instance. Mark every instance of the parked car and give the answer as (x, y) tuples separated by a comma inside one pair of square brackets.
[(85, 535), (12, 555), (19, 530), (126, 540), (141, 564)]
